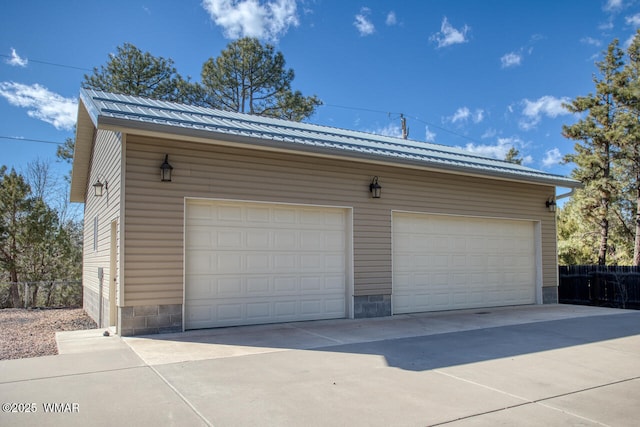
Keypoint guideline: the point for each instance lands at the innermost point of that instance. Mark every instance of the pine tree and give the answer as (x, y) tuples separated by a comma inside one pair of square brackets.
[(599, 134), (628, 94), (512, 156), (15, 206), (133, 72), (249, 77)]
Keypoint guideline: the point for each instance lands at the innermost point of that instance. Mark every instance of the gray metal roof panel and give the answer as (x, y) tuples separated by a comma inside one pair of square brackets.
[(297, 135)]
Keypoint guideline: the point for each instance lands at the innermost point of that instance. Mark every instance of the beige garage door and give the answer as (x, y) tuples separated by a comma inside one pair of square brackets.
[(451, 262), (250, 263)]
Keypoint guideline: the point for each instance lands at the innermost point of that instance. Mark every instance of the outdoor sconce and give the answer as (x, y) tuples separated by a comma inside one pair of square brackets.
[(165, 170), (375, 188), (99, 187), (551, 204)]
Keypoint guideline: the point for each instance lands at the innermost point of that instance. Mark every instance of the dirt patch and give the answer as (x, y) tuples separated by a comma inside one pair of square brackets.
[(32, 333)]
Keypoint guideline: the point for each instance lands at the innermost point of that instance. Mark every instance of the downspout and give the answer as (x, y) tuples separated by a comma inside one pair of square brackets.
[(569, 194)]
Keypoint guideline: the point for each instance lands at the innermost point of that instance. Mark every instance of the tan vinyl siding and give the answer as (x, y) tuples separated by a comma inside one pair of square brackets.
[(154, 209), (106, 166)]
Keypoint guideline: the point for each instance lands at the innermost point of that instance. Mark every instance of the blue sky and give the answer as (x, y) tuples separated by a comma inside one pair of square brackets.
[(482, 75)]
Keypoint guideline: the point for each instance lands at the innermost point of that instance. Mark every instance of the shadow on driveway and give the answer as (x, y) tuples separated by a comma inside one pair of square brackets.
[(411, 342), (451, 349)]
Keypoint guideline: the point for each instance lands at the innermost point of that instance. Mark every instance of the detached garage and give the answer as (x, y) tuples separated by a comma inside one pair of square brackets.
[(199, 218)]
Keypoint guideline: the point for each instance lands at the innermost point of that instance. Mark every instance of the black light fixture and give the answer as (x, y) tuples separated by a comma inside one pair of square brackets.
[(165, 170), (375, 188), (551, 204), (99, 187)]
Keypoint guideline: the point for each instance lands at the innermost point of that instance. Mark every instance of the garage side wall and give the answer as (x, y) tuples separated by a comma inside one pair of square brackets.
[(99, 214), (154, 223)]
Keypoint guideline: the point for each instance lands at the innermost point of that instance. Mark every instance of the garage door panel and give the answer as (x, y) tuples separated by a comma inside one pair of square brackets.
[(284, 239), (269, 310), (223, 287), (225, 239), (267, 263), (258, 286), (284, 216), (199, 238), (284, 285), (199, 262), (447, 262), (226, 213), (258, 310), (258, 215)]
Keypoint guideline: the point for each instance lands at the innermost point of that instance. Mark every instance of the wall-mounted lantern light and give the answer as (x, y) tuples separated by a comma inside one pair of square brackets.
[(165, 170), (375, 188), (551, 204), (99, 187)]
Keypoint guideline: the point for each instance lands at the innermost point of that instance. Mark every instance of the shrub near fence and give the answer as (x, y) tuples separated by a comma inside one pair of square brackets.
[(43, 294), (608, 286)]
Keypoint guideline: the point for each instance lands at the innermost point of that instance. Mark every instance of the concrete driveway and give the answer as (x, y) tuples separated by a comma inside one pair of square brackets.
[(531, 365)]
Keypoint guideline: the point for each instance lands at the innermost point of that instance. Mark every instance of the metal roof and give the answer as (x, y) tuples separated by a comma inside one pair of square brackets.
[(130, 112)]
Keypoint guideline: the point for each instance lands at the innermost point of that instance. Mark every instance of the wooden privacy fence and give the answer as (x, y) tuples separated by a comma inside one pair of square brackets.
[(62, 293), (608, 286)]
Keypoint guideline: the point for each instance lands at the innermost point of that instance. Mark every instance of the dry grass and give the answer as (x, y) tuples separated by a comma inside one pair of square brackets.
[(32, 333)]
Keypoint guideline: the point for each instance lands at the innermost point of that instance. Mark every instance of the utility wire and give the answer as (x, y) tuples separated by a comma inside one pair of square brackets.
[(459, 135), (16, 138), (50, 63)]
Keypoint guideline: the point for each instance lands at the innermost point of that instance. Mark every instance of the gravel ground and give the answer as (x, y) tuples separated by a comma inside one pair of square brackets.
[(32, 333)]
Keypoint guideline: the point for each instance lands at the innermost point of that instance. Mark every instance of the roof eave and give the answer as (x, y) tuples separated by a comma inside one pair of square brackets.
[(85, 131), (209, 136)]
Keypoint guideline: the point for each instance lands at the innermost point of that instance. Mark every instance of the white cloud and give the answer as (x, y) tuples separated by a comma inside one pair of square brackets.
[(463, 114), (552, 157), (363, 23), (497, 151), (628, 42), (489, 133), (391, 18), (612, 5), (448, 35), (633, 20), (252, 18), (391, 129), (478, 116), (591, 41), (428, 135), (606, 26), (511, 59), (41, 103), (16, 60), (534, 110), (395, 131)]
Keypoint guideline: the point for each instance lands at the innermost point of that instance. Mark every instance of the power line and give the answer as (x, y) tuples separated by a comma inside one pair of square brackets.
[(358, 109), (16, 138), (50, 63), (459, 135), (370, 110)]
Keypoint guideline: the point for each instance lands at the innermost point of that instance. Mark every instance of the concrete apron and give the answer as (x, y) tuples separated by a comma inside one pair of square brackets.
[(530, 365), (246, 340)]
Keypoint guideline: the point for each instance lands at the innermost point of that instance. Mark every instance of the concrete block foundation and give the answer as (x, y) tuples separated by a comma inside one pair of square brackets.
[(371, 306), (550, 295), (149, 319)]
